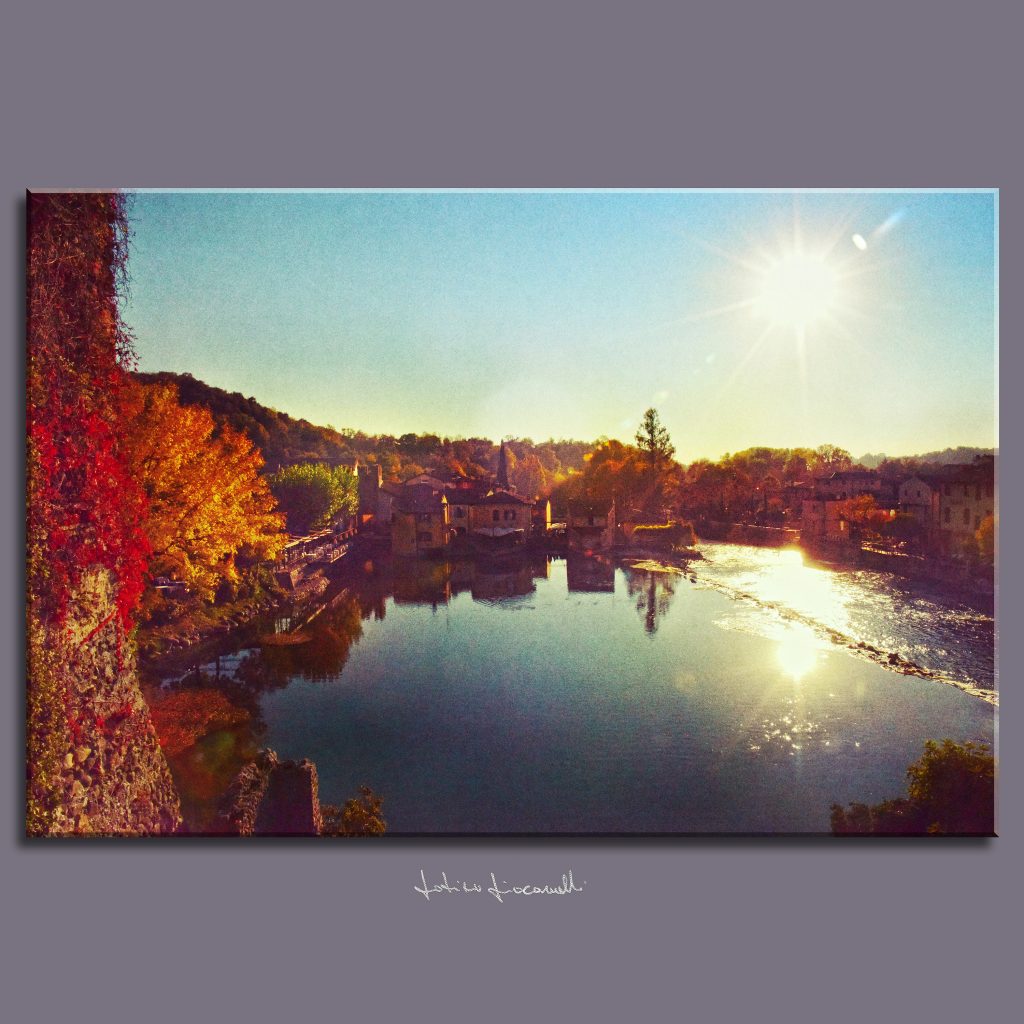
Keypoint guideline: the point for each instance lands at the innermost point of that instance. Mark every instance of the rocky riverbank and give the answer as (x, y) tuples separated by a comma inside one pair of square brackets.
[(196, 628)]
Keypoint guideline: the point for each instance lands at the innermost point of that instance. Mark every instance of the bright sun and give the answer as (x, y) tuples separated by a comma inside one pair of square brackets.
[(796, 291)]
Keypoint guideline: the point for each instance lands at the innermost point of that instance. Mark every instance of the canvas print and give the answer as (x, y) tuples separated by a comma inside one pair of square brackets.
[(361, 514)]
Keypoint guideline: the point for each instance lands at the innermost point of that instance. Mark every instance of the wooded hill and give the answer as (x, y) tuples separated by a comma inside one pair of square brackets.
[(284, 441)]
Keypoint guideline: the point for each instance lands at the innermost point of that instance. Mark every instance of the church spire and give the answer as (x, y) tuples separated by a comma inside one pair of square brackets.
[(502, 477)]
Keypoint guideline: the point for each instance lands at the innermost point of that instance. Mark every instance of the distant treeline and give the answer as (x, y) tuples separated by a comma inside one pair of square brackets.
[(567, 470), (947, 457), (534, 468)]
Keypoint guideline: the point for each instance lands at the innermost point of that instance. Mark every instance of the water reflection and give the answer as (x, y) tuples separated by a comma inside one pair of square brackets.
[(437, 583), (586, 714), (926, 623), (799, 651), (653, 592), (589, 575), (788, 733), (811, 591), (204, 771)]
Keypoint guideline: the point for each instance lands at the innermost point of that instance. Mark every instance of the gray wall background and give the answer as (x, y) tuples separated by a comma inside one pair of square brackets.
[(559, 94)]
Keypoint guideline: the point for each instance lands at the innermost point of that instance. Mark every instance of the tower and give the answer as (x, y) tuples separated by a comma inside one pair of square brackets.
[(502, 475)]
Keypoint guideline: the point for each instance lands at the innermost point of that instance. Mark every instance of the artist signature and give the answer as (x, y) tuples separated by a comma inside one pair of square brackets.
[(499, 892)]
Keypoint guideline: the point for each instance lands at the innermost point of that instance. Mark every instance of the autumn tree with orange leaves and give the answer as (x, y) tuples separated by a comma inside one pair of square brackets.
[(207, 502)]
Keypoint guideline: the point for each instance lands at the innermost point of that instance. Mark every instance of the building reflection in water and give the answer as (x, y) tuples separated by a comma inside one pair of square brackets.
[(415, 581), (589, 575)]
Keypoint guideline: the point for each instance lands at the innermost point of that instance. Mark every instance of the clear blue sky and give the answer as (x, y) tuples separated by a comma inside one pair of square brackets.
[(567, 314)]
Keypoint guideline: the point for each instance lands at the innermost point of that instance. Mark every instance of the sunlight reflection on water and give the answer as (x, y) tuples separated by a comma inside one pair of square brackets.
[(798, 651), (921, 623)]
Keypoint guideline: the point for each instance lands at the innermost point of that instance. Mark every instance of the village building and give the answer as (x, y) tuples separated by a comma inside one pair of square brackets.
[(369, 478), (853, 483), (386, 498), (823, 521), (485, 509), (426, 480), (419, 522), (462, 496), (825, 505), (501, 514), (919, 497), (949, 504), (590, 526), (966, 499)]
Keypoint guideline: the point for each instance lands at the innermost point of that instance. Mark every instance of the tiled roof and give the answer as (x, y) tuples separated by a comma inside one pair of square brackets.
[(503, 498), (466, 495), (419, 498)]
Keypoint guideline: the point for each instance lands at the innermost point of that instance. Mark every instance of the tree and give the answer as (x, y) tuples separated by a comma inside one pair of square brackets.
[(528, 476), (652, 438), (831, 459), (796, 464), (951, 791), (87, 549), (207, 500), (310, 495), (863, 513)]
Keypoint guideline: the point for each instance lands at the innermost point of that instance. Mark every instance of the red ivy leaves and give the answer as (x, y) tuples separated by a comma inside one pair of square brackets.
[(85, 511)]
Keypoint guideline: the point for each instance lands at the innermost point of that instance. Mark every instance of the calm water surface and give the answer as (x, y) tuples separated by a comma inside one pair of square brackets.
[(578, 697)]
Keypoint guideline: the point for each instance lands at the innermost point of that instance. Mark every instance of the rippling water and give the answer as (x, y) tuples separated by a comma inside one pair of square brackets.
[(576, 697), (924, 623)]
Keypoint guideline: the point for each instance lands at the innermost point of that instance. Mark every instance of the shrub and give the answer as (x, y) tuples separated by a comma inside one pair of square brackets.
[(951, 791), (361, 816), (665, 535)]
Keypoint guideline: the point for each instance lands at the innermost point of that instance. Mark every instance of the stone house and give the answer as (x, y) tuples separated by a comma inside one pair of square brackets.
[(966, 498), (590, 525), (501, 514), (823, 521), (852, 483), (420, 522)]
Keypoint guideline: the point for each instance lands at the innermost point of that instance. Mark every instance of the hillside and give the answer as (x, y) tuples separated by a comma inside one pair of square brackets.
[(947, 457), (284, 440), (281, 439)]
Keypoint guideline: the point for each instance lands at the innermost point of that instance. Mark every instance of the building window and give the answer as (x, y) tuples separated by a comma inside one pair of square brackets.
[(460, 513), (424, 517), (495, 515), (967, 517), (949, 515), (590, 520), (423, 538)]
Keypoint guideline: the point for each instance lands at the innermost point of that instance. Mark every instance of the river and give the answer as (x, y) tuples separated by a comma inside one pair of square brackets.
[(554, 696)]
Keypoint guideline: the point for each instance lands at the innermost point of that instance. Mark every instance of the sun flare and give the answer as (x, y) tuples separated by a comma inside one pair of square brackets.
[(796, 291)]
